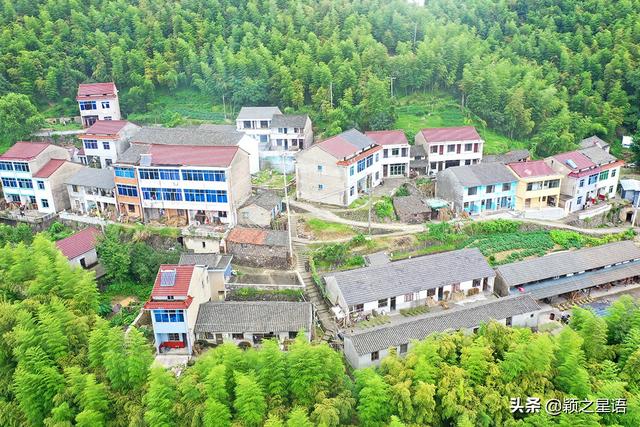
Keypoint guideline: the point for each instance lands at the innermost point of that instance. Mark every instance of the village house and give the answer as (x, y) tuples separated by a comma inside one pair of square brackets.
[(80, 247), (571, 273), (218, 269), (418, 163), (609, 176), (449, 147), (105, 140), (338, 170), (538, 185), (630, 190), (291, 132), (98, 101), (395, 151), (594, 141), (92, 191), (256, 122), (368, 346), (260, 209), (411, 282), (19, 164), (193, 184), (477, 188), (579, 184), (49, 185), (248, 323), (255, 247)]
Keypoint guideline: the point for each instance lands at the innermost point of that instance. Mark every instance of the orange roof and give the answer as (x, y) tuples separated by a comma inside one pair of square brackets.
[(247, 235), (180, 283), (105, 127), (459, 133), (388, 137), (24, 150), (531, 169), (169, 304), (49, 168), (96, 89)]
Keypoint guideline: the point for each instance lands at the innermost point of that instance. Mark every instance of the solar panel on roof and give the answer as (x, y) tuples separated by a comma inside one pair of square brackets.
[(571, 163), (168, 278)]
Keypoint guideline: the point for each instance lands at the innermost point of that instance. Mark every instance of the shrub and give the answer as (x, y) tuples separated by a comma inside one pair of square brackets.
[(402, 191), (384, 208), (493, 227)]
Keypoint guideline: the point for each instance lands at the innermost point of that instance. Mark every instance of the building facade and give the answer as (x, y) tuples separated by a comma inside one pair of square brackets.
[(538, 185), (92, 191), (80, 247), (579, 179), (610, 167), (449, 147), (49, 185), (478, 188), (256, 122), (105, 140), (395, 152), (98, 101), (340, 169)]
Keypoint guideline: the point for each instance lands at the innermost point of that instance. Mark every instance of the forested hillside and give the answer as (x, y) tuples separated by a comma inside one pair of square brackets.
[(549, 71)]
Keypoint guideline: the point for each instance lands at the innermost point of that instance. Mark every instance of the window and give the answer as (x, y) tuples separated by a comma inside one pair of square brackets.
[(74, 188), (554, 183), (358, 308), (581, 184), (105, 104), (320, 186), (87, 105), (403, 348), (468, 147), (593, 179), (351, 170), (168, 316), (203, 175), (25, 183), (172, 336), (377, 157), (149, 174), (361, 165), (21, 167), (124, 172), (106, 145), (375, 356), (150, 194), (171, 194), (108, 162), (611, 189), (107, 118), (405, 152), (506, 186), (408, 297), (377, 176), (127, 190), (320, 168), (476, 283), (604, 175), (434, 149), (292, 335), (237, 336), (490, 189), (579, 200), (212, 196), (6, 166), (170, 174), (32, 199), (472, 191), (90, 144), (385, 153), (41, 185), (44, 203), (369, 160), (352, 191), (451, 148), (395, 151), (383, 302), (534, 186), (467, 162), (613, 172), (9, 182), (131, 207)]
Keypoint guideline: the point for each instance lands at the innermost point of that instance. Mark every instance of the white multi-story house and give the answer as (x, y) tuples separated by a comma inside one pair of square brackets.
[(203, 185), (291, 132), (609, 177), (98, 101), (338, 170), (579, 185), (92, 191), (20, 163), (105, 140), (395, 151), (256, 122), (447, 147), (49, 185)]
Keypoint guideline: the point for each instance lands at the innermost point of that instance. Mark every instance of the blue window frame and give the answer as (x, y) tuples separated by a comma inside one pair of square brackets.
[(172, 174), (369, 160), (25, 183), (6, 166), (40, 185), (203, 175), (106, 145), (361, 165), (87, 105), (45, 203), (171, 194), (125, 172), (151, 193), (212, 196), (352, 170), (149, 173), (21, 167), (194, 195), (127, 190), (9, 182), (168, 194), (168, 316), (91, 144), (593, 179)]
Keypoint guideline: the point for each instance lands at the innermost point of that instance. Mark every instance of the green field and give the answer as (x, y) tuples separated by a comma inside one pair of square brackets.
[(183, 106), (420, 111)]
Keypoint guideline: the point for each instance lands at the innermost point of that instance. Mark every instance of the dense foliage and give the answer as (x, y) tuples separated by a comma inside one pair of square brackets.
[(553, 71)]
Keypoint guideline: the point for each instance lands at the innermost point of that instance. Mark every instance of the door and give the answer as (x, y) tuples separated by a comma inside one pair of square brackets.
[(440, 293), (218, 338), (384, 170), (83, 263), (392, 304), (485, 284)]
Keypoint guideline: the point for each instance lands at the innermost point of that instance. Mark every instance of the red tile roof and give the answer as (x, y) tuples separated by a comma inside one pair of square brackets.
[(460, 133), (192, 155), (181, 283), (49, 168), (531, 169), (78, 243), (169, 304), (253, 236), (388, 137), (96, 89), (24, 150), (581, 161), (346, 144), (106, 127)]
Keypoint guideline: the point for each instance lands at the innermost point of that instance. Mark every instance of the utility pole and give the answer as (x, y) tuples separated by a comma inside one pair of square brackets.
[(370, 205), (392, 79), (286, 202), (224, 106)]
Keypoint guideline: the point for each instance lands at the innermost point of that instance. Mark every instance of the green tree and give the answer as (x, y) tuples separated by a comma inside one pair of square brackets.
[(373, 398), (160, 398), (249, 403), (19, 118), (114, 254), (298, 418)]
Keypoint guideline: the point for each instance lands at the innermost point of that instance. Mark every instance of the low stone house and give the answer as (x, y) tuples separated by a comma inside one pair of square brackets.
[(411, 209), (260, 209), (259, 248)]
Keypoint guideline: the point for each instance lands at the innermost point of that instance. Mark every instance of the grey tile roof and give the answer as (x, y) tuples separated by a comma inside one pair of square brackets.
[(416, 328), (357, 138), (202, 135), (253, 316), (276, 238), (510, 157), (132, 155), (91, 177), (410, 275), (563, 263), (377, 258), (289, 120), (211, 260), (256, 113), (409, 205), (593, 141), (480, 174), (265, 199), (417, 150), (598, 155), (550, 288)]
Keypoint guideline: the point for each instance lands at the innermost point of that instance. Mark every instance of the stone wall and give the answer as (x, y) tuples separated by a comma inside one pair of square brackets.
[(264, 256)]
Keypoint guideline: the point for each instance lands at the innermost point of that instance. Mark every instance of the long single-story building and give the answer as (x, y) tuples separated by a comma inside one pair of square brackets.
[(411, 282), (247, 323), (367, 347), (571, 271)]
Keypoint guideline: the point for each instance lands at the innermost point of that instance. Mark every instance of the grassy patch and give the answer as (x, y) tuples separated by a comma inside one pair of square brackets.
[(414, 311), (253, 294), (359, 202), (322, 229), (374, 321), (60, 126), (270, 178), (183, 106)]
